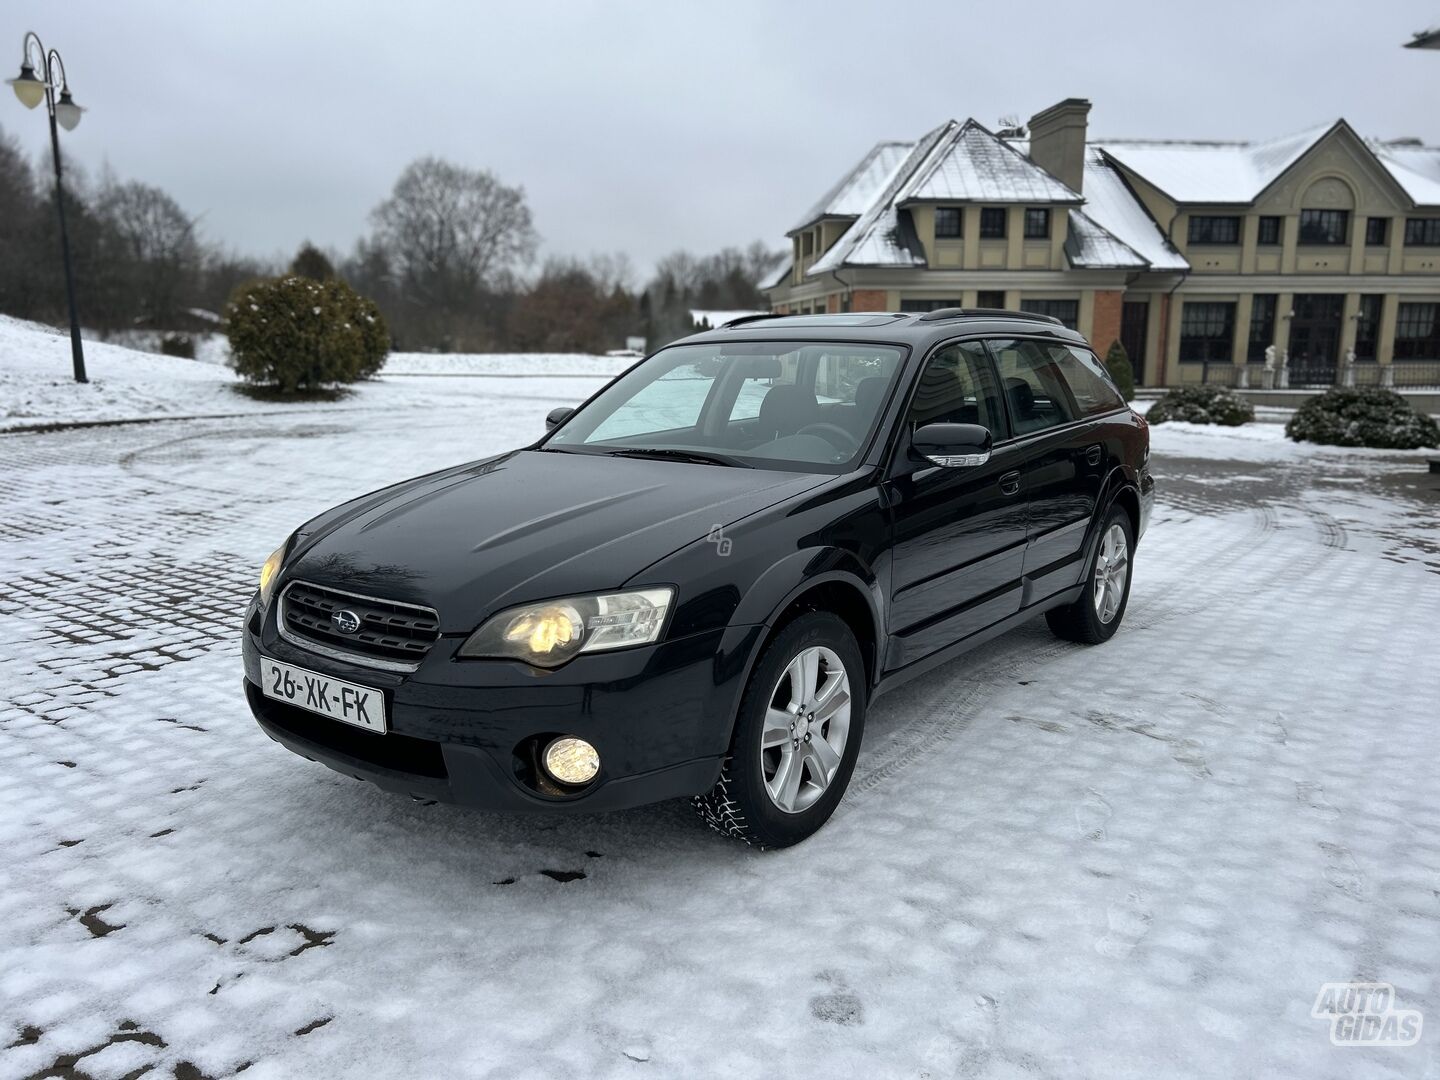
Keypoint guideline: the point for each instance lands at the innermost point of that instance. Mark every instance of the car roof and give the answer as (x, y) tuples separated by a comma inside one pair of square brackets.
[(917, 329)]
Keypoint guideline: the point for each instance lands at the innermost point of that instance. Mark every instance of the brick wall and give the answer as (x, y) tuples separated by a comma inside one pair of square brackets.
[(832, 303), (1106, 327), (868, 300)]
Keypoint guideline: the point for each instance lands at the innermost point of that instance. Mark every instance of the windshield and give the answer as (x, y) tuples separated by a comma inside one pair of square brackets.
[(798, 406)]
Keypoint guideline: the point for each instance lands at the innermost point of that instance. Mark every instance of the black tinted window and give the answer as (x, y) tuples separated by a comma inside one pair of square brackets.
[(958, 387), (1034, 388), (1087, 379)]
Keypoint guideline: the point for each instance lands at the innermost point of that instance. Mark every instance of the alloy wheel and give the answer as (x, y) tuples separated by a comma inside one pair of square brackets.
[(807, 722), (1112, 568)]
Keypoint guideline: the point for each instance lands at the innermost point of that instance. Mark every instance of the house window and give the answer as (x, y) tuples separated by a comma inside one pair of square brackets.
[(1269, 233), (1367, 325), (1376, 230), (1262, 327), (1210, 229), (1207, 332), (992, 223), (1037, 223), (990, 298), (807, 243), (927, 305), (1067, 311), (947, 222), (1417, 332), (1324, 226), (1422, 232)]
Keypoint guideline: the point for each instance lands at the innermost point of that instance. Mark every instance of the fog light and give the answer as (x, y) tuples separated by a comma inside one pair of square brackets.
[(571, 761)]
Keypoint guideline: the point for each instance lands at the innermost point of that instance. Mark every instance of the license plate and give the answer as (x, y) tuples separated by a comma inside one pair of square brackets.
[(324, 695)]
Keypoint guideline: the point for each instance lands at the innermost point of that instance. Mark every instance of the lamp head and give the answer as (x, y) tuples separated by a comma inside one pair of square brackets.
[(29, 89), (67, 113)]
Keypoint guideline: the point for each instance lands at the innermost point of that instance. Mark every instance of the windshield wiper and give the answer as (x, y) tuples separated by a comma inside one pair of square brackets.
[(696, 457)]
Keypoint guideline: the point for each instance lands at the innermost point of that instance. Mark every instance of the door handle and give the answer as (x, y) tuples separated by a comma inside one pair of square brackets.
[(1092, 455), (1010, 483)]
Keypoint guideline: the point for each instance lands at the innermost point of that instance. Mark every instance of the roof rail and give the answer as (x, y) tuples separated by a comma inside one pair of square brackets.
[(750, 318), (990, 313)]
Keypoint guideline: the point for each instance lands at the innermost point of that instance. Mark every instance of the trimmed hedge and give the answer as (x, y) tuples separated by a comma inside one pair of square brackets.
[(295, 334), (1369, 416), (1202, 405)]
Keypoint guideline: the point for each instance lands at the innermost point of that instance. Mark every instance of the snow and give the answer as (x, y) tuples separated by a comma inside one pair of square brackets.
[(1089, 246), (858, 188), (37, 387), (1138, 860), (1110, 203), (974, 165)]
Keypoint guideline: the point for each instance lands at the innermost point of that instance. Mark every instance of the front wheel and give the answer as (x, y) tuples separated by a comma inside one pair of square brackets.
[(1096, 615), (796, 737)]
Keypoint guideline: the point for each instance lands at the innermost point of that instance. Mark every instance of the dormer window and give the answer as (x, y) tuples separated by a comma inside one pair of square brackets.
[(947, 222), (807, 243), (1037, 223), (992, 223)]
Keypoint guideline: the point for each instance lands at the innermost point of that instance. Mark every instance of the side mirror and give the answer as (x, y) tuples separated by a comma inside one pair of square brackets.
[(952, 446), (557, 416)]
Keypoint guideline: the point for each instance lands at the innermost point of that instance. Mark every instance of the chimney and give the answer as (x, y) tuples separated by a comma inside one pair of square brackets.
[(1057, 140)]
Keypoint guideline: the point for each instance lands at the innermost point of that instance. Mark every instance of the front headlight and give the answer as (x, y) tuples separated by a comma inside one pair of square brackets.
[(269, 572), (551, 633)]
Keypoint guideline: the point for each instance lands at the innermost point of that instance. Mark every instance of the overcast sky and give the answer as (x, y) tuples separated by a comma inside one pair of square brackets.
[(645, 127)]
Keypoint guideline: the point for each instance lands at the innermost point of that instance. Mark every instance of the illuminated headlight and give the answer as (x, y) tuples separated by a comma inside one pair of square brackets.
[(551, 633), (269, 572), (571, 760)]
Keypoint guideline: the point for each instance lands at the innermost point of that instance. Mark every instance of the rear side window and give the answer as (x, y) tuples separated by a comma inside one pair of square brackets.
[(1088, 380), (958, 387), (1034, 388)]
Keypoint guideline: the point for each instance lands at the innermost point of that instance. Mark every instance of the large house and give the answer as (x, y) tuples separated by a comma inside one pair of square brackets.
[(1197, 256)]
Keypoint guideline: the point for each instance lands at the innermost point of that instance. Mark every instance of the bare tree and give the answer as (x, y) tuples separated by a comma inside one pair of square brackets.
[(450, 231), (19, 206), (153, 246)]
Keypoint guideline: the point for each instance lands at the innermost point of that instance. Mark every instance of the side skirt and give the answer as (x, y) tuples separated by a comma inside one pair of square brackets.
[(900, 676)]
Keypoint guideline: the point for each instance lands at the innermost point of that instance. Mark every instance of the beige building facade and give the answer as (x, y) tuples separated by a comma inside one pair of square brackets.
[(1306, 260)]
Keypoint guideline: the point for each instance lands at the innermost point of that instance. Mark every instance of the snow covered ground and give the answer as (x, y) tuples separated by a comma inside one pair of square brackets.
[(1137, 861)]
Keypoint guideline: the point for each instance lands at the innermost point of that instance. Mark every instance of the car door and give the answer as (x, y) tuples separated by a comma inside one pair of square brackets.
[(1054, 406), (958, 534)]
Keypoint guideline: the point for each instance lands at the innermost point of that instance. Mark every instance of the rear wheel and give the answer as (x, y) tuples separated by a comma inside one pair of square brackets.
[(796, 738), (1096, 615)]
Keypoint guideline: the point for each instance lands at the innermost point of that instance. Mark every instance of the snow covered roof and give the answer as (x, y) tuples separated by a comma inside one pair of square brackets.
[(1212, 172), (972, 164), (776, 276), (1088, 245), (1113, 206), (1415, 167), (857, 189)]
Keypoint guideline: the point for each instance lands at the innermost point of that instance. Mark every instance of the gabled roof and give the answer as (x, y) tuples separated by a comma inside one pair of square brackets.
[(1212, 172), (1088, 245), (857, 189), (973, 164), (1415, 167), (775, 277)]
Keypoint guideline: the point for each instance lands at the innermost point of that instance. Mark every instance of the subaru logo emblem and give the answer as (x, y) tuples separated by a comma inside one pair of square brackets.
[(347, 622)]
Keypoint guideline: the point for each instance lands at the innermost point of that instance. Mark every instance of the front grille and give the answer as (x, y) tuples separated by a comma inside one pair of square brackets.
[(391, 634)]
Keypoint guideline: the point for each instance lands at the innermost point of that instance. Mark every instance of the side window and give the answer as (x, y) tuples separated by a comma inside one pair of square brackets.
[(958, 387), (1034, 388), (1088, 380)]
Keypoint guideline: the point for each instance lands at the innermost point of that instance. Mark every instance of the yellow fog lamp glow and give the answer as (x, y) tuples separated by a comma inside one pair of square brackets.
[(571, 761), (269, 572)]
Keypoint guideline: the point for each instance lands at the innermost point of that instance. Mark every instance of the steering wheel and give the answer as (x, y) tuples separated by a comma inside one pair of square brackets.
[(834, 434)]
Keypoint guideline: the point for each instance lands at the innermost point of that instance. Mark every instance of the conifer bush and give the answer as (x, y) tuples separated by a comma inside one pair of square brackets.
[(292, 334), (1367, 416), (1202, 405), (1117, 362)]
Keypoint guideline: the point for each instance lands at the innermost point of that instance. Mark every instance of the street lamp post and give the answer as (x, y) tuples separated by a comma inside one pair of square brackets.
[(31, 90)]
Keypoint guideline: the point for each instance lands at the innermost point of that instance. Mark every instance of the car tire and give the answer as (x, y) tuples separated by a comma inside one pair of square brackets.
[(790, 736), (1097, 614)]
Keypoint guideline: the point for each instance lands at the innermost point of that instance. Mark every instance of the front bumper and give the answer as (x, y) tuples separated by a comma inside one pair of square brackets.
[(463, 731)]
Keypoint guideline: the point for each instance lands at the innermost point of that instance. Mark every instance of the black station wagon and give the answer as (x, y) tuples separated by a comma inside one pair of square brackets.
[(694, 584)]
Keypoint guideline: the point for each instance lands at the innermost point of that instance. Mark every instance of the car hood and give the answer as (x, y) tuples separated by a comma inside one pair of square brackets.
[(527, 526)]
